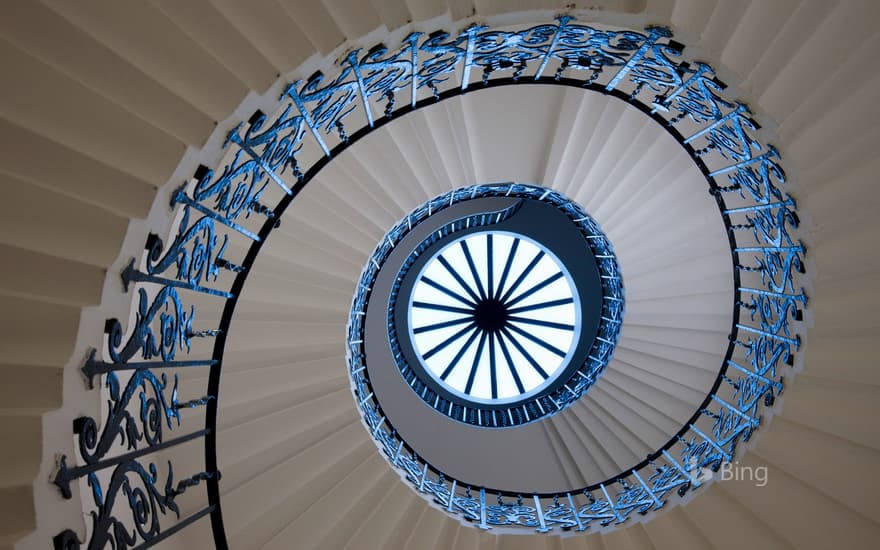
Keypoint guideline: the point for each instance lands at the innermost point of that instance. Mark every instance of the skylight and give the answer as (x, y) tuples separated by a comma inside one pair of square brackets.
[(493, 317)]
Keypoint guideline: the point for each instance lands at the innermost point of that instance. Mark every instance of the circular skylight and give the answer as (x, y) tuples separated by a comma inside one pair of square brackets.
[(504, 303), (494, 317)]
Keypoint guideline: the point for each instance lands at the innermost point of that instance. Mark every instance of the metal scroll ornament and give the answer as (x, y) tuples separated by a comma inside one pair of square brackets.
[(242, 201)]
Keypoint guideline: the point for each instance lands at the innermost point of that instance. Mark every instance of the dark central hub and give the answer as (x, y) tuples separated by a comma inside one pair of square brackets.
[(490, 315)]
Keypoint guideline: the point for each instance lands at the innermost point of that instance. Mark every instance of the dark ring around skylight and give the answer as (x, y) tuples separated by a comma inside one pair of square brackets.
[(549, 223)]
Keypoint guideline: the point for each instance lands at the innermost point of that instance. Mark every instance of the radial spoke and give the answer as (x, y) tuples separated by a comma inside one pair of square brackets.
[(493, 377), (438, 326), (442, 345), (542, 305), (548, 281), (445, 290), (458, 356), (543, 344), (516, 380), (523, 275), (525, 354), (489, 261), (541, 323), (473, 268), (458, 278), (476, 365), (506, 270), (441, 307)]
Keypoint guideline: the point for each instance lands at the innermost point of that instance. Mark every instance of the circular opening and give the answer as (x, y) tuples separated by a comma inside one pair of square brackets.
[(503, 304), (494, 317)]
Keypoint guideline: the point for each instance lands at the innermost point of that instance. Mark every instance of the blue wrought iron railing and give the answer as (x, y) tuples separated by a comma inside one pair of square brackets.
[(268, 162)]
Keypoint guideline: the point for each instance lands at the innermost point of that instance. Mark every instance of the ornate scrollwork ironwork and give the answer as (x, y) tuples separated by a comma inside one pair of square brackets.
[(163, 327), (121, 426), (146, 500)]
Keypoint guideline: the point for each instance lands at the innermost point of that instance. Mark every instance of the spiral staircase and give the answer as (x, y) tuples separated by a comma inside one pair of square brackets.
[(107, 109)]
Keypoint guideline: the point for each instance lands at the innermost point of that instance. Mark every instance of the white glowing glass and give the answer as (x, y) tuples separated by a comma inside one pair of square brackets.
[(494, 317)]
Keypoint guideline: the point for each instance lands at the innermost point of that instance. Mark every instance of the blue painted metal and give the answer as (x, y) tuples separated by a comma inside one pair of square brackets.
[(646, 69)]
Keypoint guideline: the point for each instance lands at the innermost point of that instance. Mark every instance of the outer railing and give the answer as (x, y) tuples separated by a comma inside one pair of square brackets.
[(136, 496)]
